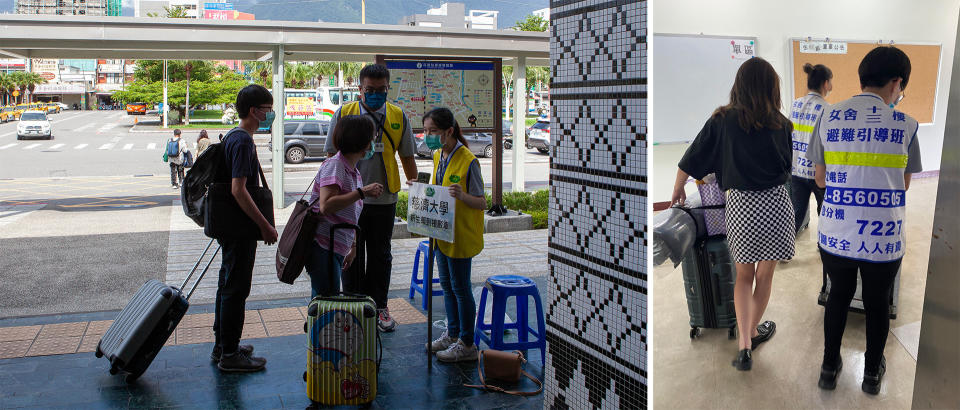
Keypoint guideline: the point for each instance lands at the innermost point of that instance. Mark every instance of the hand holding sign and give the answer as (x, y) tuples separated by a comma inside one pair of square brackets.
[(456, 191)]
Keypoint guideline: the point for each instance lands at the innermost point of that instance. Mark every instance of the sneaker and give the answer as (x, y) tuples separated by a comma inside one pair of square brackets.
[(241, 362), (384, 321), (765, 331), (828, 376), (871, 379), (458, 352), (442, 343), (218, 350)]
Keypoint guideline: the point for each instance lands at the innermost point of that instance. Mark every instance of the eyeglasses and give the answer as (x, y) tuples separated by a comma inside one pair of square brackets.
[(371, 90), (265, 108)]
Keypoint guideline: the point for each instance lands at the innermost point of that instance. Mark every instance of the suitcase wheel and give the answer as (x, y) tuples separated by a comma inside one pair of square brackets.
[(132, 378), (695, 332), (304, 376), (304, 327), (312, 310), (114, 370), (732, 333), (98, 353)]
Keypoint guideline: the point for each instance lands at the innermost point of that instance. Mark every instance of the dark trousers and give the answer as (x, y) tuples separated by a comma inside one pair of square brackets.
[(876, 282), (236, 275), (176, 174), (800, 190), (376, 226)]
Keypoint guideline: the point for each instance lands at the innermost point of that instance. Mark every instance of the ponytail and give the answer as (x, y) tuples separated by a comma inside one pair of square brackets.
[(817, 75)]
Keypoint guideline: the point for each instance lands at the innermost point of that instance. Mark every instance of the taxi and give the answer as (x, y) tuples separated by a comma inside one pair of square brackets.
[(7, 113)]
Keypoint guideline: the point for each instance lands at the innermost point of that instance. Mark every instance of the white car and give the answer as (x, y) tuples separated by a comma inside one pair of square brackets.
[(63, 107), (34, 124)]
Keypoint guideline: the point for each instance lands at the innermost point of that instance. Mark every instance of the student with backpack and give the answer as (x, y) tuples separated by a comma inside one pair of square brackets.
[(174, 153)]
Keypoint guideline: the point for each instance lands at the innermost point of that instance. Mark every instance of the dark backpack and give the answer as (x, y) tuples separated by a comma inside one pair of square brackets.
[(173, 148), (209, 167)]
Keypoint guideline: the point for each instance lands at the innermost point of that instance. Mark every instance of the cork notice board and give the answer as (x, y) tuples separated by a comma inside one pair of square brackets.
[(919, 97)]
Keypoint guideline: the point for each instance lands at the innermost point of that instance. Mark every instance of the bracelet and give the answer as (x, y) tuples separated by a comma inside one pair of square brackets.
[(360, 191)]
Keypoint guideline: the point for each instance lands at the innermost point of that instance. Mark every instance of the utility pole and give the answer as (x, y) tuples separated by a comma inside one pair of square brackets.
[(164, 109), (363, 11)]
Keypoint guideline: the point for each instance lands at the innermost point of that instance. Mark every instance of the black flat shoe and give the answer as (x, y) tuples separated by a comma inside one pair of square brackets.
[(872, 379), (828, 377), (744, 360), (765, 331)]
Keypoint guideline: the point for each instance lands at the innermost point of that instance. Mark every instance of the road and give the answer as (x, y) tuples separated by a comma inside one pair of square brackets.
[(86, 218), (106, 143)]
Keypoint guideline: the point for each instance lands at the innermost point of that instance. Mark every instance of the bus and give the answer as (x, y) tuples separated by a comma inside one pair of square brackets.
[(319, 104)]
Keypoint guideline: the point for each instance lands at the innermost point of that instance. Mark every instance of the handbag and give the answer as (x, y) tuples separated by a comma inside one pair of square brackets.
[(294, 244), (504, 366), (224, 219)]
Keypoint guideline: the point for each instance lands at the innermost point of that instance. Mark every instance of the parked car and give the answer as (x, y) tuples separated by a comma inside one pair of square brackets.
[(63, 107), (538, 136), (34, 124), (8, 113), (480, 144), (137, 108), (304, 139), (52, 108)]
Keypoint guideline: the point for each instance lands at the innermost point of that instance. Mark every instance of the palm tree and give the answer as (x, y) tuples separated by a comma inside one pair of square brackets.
[(325, 69), (175, 12), (32, 80), (4, 85), (351, 71), (261, 70)]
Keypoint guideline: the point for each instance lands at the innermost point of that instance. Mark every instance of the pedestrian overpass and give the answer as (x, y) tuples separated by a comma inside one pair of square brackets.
[(74, 37)]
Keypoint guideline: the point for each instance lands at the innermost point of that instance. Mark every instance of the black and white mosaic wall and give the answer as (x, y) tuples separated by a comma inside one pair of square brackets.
[(597, 302)]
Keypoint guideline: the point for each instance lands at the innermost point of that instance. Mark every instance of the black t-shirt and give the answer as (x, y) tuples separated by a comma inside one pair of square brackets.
[(749, 161), (240, 157)]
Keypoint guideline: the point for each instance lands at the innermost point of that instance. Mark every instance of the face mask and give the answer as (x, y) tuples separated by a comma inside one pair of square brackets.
[(374, 100), (270, 117), (433, 141), (368, 154)]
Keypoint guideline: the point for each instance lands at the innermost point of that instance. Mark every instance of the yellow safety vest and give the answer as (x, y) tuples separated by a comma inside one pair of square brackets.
[(394, 127), (468, 234)]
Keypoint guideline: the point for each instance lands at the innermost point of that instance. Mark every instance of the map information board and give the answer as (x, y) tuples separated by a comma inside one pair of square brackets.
[(466, 88)]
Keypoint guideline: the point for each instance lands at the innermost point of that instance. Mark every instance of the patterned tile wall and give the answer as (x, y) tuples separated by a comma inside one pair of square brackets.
[(597, 302)]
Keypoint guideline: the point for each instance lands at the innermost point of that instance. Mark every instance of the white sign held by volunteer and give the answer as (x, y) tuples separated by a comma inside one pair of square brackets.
[(430, 211)]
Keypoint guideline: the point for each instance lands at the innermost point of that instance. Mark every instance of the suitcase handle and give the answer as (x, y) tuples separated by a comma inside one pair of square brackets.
[(194, 269), (358, 258)]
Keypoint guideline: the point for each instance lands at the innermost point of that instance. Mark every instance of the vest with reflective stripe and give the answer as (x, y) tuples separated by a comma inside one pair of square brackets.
[(394, 128), (804, 114), (865, 148), (468, 234)]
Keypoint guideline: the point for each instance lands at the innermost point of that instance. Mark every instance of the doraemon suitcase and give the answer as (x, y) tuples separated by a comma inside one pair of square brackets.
[(342, 344)]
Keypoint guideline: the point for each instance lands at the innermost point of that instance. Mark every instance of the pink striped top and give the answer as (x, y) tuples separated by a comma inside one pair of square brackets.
[(336, 171)]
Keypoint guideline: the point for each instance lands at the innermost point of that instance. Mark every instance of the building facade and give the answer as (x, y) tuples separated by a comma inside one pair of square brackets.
[(454, 15), (70, 7)]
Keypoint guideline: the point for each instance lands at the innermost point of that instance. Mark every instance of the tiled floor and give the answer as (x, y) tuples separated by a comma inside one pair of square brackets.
[(182, 376), (80, 337)]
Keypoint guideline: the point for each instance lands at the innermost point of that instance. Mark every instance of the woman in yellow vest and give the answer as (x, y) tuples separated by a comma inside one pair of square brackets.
[(456, 167)]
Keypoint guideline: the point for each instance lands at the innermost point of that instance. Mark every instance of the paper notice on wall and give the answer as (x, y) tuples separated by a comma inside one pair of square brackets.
[(823, 47), (742, 49)]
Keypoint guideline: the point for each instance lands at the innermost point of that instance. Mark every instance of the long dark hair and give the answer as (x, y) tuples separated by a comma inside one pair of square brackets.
[(817, 75), (444, 120), (203, 134), (756, 97)]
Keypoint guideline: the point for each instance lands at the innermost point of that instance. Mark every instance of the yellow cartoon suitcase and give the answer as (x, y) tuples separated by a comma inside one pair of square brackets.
[(343, 349)]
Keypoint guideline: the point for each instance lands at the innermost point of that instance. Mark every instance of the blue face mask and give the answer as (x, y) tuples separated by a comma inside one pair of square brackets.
[(433, 141), (368, 154), (270, 116), (374, 100)]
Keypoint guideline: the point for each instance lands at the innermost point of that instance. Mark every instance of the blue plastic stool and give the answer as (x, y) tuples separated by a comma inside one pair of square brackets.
[(416, 280), (503, 287)]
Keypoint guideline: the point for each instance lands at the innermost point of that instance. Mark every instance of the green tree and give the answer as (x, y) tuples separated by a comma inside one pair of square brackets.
[(532, 23), (323, 70), (260, 72), (175, 12), (6, 87)]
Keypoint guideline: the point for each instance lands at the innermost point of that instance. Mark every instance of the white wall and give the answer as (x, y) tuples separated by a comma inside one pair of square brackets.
[(773, 22)]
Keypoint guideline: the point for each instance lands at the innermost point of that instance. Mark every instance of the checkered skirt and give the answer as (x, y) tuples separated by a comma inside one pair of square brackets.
[(760, 225)]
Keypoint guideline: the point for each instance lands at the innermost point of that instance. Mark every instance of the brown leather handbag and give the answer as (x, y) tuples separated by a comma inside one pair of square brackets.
[(503, 366)]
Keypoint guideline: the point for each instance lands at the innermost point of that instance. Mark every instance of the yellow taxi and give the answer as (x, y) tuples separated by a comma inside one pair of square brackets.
[(7, 113), (52, 107)]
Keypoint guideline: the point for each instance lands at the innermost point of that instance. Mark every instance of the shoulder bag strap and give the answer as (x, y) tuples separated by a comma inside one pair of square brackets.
[(483, 383)]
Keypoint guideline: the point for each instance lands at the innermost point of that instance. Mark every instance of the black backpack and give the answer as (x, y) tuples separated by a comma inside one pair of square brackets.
[(209, 167)]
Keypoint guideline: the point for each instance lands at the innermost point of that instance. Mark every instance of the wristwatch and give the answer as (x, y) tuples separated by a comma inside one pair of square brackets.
[(360, 191)]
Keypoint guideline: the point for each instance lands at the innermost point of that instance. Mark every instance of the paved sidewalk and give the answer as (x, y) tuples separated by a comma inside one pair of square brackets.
[(523, 252)]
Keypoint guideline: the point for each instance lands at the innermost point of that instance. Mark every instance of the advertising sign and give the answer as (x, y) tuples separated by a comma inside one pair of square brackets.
[(430, 211)]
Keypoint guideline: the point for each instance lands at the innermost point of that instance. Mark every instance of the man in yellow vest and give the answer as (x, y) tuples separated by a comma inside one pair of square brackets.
[(394, 138)]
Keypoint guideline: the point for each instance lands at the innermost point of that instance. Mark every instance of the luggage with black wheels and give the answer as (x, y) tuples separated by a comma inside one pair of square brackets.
[(856, 305), (144, 325), (708, 278), (342, 340)]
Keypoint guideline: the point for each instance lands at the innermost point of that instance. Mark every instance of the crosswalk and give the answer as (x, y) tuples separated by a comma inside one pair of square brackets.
[(109, 146)]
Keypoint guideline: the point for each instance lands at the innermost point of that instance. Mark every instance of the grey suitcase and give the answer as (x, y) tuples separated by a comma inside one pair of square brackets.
[(708, 279), (144, 325), (856, 304)]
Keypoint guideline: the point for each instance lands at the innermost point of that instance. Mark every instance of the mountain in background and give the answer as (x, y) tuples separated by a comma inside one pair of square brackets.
[(348, 11)]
